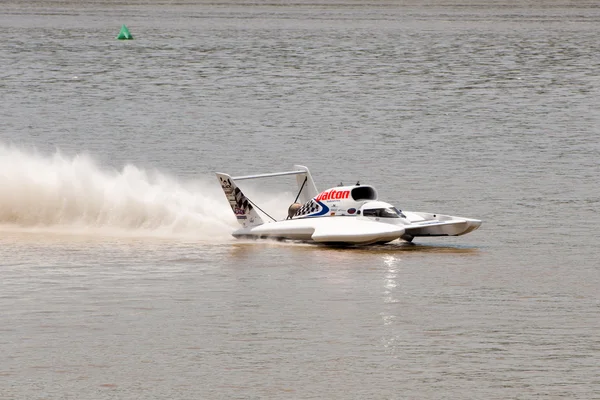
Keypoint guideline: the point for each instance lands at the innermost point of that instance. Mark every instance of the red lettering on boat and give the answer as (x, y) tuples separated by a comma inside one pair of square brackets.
[(333, 194)]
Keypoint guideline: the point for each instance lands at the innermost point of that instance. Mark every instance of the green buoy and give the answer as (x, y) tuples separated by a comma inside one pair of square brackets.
[(124, 34)]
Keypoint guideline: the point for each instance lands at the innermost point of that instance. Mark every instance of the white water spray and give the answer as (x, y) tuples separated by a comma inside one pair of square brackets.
[(73, 194)]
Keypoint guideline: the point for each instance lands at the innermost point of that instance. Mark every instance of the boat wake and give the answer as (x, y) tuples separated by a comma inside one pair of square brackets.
[(74, 195)]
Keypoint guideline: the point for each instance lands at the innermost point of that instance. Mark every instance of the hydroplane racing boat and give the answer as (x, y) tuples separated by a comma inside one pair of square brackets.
[(343, 215)]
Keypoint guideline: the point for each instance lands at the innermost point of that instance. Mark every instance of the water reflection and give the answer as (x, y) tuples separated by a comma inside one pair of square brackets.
[(390, 285), (386, 249)]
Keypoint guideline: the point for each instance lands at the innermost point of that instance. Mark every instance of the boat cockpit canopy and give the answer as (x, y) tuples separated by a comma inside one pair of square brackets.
[(389, 212)]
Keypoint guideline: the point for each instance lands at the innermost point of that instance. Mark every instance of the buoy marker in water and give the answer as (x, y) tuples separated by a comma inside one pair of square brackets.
[(124, 34)]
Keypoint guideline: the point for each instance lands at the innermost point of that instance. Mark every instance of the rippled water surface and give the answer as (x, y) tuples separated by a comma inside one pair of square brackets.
[(119, 278)]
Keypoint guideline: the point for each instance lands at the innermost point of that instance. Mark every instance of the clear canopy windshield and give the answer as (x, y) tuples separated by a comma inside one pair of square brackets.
[(389, 212)]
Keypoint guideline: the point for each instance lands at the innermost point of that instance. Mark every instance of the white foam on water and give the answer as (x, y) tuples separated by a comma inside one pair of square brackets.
[(64, 194)]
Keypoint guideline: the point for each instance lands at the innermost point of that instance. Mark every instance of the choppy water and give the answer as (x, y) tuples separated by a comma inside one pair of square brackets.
[(118, 275)]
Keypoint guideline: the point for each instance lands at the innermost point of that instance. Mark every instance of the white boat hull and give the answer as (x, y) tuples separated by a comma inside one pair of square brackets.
[(350, 215), (428, 224), (343, 229)]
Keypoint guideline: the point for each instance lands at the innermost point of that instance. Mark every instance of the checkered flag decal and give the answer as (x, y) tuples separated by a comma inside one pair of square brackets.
[(308, 208)]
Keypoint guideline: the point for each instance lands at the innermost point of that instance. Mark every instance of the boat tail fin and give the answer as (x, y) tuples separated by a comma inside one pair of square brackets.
[(306, 185), (240, 205)]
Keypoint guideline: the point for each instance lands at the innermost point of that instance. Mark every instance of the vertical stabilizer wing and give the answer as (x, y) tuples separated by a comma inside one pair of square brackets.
[(240, 205), (306, 185)]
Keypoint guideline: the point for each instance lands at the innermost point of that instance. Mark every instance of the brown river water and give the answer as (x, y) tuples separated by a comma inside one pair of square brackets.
[(118, 275)]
